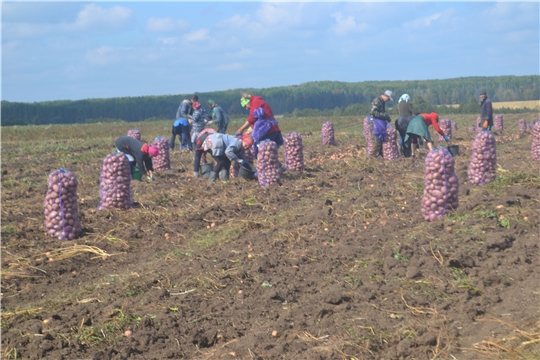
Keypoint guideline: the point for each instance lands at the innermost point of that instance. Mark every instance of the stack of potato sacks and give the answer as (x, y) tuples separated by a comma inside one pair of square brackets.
[(483, 166), (162, 162), (61, 209), (294, 151), (327, 134), (115, 182), (441, 185)]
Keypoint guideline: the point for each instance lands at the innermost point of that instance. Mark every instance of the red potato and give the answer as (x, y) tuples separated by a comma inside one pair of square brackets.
[(268, 164), (535, 147), (522, 125), (134, 133), (390, 149), (498, 123), (294, 152), (162, 162), (327, 134), (115, 183), (61, 209), (446, 127), (441, 185), (483, 166), (368, 135)]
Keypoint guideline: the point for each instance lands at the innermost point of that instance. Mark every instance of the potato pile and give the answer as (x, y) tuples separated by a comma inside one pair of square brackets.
[(368, 135), (390, 149), (61, 209), (294, 151), (134, 133), (483, 166), (327, 133), (441, 185), (522, 125), (446, 127), (498, 123), (115, 182), (535, 149), (268, 164), (235, 167), (162, 162)]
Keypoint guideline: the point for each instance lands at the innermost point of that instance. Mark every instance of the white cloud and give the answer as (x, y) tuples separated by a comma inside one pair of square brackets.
[(346, 25), (91, 18), (167, 41), (423, 22), (235, 22), (103, 55), (165, 25), (197, 35), (94, 17), (284, 14)]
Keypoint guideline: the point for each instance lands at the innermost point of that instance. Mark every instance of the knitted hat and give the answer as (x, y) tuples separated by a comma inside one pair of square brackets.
[(154, 151)]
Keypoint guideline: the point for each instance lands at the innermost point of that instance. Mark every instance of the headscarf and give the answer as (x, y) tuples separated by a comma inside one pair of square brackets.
[(248, 140), (244, 100), (211, 103), (207, 144), (154, 151), (404, 97), (196, 105)]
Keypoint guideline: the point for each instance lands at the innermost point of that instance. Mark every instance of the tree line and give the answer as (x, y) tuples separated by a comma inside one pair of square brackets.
[(327, 98)]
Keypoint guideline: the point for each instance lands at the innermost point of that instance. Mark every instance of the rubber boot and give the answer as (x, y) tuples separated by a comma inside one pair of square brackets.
[(196, 174), (224, 175), (213, 176)]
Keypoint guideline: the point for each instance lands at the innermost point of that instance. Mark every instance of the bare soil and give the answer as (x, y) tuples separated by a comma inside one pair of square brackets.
[(337, 263)]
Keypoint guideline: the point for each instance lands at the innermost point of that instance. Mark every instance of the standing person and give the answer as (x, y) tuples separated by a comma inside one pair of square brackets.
[(405, 106), (486, 111), (380, 120), (181, 128), (138, 153), (261, 120), (406, 112), (185, 109), (198, 120), (225, 149), (418, 128), (199, 152), (219, 116)]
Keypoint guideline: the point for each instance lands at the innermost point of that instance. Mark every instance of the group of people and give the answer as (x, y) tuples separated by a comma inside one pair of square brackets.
[(261, 125)]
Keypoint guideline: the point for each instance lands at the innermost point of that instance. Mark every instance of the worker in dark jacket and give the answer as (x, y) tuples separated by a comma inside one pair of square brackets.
[(185, 109), (405, 106), (219, 117), (138, 153), (380, 120), (486, 111)]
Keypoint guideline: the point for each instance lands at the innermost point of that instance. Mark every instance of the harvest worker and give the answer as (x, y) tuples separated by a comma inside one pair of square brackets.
[(219, 116), (225, 149), (486, 111), (138, 153), (185, 109), (181, 128), (405, 106), (262, 121), (418, 128), (380, 120), (198, 120), (199, 152)]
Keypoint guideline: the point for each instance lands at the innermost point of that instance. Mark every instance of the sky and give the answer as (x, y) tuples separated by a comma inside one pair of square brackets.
[(80, 50)]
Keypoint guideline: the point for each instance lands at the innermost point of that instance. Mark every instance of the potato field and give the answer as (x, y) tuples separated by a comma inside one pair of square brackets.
[(336, 262)]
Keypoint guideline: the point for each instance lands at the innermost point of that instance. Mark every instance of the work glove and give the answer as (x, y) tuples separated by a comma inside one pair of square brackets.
[(238, 134), (446, 138), (240, 161), (150, 177)]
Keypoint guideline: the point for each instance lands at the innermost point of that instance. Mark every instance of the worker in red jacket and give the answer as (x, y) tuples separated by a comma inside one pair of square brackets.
[(417, 129), (262, 121)]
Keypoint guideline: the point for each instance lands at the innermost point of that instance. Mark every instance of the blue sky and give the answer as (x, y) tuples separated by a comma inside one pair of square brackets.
[(78, 50)]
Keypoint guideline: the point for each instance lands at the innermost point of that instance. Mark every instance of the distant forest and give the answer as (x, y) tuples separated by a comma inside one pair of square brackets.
[(327, 98)]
